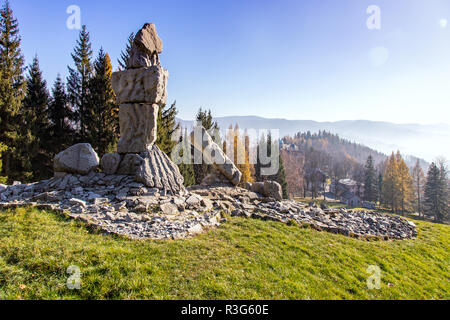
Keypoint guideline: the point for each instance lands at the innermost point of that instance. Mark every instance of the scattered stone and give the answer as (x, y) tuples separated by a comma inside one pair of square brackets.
[(77, 202), (169, 208)]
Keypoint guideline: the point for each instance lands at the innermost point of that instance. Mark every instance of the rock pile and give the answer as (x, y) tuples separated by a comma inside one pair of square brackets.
[(118, 204), (362, 224)]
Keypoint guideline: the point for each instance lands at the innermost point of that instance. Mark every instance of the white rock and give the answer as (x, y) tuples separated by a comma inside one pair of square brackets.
[(80, 158)]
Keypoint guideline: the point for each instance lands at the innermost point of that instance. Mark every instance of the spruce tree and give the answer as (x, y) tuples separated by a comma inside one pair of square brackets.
[(12, 90), (206, 120), (187, 167), (125, 55), (102, 122), (61, 118), (277, 161), (78, 81), (166, 127), (432, 193), (370, 180), (34, 147)]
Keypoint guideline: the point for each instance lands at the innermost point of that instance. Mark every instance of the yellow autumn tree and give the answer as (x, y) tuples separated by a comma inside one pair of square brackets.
[(241, 157), (405, 183), (397, 186)]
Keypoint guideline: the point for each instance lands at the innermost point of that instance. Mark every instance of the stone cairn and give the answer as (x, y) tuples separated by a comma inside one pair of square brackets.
[(140, 193), (140, 90)]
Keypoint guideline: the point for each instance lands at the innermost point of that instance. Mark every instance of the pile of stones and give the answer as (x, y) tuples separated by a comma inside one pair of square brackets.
[(359, 224), (117, 204)]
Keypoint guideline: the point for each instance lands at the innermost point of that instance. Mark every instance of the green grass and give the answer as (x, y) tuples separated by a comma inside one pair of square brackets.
[(242, 259)]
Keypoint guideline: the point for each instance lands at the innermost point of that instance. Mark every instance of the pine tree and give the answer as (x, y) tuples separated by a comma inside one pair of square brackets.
[(437, 192), (419, 180), (78, 81), (187, 167), (166, 127), (276, 161), (125, 55), (258, 165), (12, 89), (206, 120), (281, 179), (432, 193), (61, 116), (102, 122), (34, 147), (444, 191), (370, 180)]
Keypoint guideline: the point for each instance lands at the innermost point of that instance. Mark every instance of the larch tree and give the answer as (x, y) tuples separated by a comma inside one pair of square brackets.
[(102, 121), (78, 81), (241, 156), (405, 182), (12, 90), (36, 157), (390, 185), (419, 182)]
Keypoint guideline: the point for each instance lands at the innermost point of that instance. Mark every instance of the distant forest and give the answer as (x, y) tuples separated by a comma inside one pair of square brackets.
[(305, 153)]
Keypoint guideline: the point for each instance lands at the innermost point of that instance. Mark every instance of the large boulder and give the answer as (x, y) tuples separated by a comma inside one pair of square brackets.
[(271, 189), (213, 154), (138, 127), (144, 85), (79, 159)]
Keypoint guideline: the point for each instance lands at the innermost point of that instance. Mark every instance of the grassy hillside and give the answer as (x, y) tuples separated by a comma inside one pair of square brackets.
[(243, 259)]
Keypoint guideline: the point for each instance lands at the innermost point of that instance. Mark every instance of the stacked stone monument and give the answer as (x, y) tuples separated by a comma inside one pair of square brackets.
[(140, 91)]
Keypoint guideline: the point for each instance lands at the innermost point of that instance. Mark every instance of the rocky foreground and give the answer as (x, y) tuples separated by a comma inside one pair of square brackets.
[(120, 205)]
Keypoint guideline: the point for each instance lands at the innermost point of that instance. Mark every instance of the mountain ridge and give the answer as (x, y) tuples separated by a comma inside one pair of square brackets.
[(426, 141)]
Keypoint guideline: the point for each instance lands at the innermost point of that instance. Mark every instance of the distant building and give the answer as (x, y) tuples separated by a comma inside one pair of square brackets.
[(347, 185), (350, 199)]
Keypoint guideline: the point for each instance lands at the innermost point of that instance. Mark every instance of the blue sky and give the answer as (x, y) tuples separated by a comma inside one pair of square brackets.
[(286, 59)]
